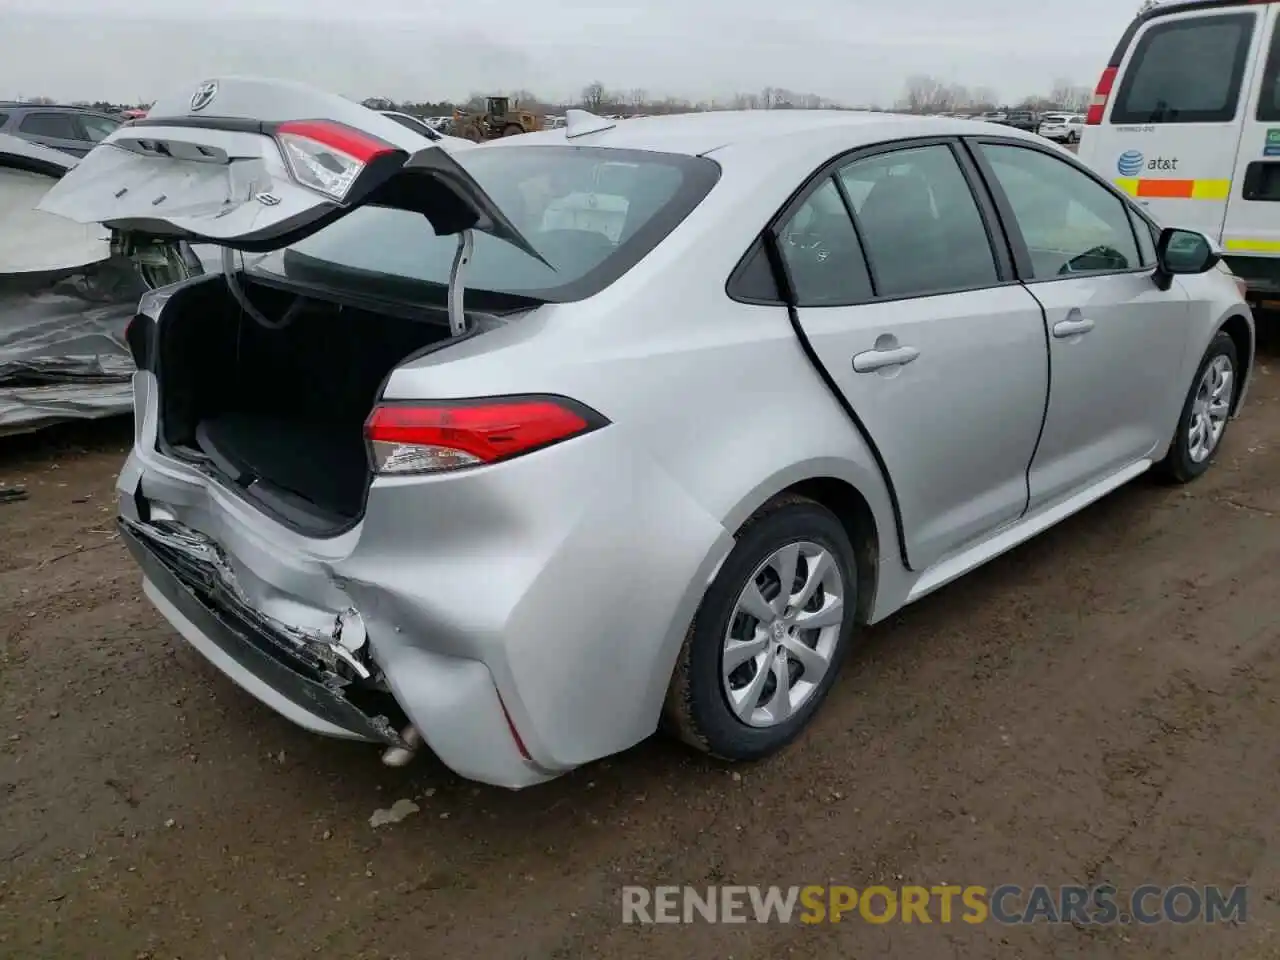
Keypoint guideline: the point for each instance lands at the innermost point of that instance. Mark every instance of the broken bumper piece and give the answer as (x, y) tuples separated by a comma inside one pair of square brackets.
[(318, 684)]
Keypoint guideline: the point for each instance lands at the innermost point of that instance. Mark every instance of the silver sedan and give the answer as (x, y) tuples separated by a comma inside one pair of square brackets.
[(520, 452)]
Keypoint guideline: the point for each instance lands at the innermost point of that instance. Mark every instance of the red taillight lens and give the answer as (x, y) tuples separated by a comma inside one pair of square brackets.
[(1100, 96), (328, 156), (430, 438)]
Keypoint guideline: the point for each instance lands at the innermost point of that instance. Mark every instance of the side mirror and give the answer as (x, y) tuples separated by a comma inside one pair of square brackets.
[(1181, 251)]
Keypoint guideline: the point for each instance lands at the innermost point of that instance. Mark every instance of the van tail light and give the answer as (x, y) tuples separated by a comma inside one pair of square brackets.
[(1100, 97), (328, 156), (415, 438)]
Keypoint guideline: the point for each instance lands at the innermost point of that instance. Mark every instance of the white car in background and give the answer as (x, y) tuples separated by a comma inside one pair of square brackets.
[(1062, 127)]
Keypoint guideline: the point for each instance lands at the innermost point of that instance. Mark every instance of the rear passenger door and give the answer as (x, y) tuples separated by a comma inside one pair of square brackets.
[(1116, 340), (1175, 116), (914, 314)]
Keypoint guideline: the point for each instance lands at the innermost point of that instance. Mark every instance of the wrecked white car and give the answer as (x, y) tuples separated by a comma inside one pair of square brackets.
[(65, 299)]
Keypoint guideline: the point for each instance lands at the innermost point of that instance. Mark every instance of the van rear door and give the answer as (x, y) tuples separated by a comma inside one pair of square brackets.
[(1173, 99), (1252, 226)]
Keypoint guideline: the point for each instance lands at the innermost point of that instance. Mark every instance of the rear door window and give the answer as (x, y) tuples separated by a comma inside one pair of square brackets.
[(920, 222), (59, 126), (821, 251), (1186, 71)]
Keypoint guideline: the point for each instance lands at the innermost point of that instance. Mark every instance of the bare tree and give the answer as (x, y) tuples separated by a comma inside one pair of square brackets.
[(525, 98), (593, 95), (958, 96), (1078, 98), (1060, 93), (984, 98), (924, 94)]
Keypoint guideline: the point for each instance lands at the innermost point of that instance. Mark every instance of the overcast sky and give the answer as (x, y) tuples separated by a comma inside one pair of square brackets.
[(855, 51)]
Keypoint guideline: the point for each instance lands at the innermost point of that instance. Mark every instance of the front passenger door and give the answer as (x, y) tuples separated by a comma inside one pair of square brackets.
[(1116, 340), (919, 325)]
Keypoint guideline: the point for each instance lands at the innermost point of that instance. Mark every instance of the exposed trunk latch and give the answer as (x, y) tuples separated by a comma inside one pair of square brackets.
[(457, 287)]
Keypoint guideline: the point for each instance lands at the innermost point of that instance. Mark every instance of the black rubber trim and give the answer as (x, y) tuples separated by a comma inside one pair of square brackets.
[(784, 283)]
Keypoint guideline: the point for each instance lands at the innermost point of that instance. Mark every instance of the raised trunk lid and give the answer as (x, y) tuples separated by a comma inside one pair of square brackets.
[(255, 164)]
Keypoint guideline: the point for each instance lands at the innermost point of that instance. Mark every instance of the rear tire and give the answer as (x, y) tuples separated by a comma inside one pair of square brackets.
[(1205, 415), (742, 713)]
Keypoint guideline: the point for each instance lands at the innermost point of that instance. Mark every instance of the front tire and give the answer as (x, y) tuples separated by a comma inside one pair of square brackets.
[(1205, 414), (761, 655)]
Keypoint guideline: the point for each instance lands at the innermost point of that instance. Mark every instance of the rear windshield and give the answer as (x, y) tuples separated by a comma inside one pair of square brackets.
[(591, 212), (1186, 71)]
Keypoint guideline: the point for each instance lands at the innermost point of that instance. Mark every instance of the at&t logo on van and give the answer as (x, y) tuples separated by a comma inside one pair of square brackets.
[(1131, 163)]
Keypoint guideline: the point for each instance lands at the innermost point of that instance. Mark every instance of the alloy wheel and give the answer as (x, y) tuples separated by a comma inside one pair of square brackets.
[(782, 634), (1210, 409)]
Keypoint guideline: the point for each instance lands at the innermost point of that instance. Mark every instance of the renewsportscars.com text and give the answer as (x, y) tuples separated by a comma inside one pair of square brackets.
[(1005, 904)]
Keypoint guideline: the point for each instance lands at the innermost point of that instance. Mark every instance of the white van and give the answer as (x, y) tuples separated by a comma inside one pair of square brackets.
[(1186, 118)]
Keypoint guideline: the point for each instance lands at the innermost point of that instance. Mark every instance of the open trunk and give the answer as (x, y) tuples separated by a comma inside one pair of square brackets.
[(279, 412)]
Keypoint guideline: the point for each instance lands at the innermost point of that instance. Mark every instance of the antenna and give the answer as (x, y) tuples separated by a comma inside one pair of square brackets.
[(578, 123)]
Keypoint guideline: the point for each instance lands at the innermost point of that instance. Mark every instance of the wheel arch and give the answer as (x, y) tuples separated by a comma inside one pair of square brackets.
[(860, 501), (1240, 330), (850, 507)]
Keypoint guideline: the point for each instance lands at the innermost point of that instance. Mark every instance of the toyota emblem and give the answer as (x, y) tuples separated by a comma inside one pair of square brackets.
[(204, 95)]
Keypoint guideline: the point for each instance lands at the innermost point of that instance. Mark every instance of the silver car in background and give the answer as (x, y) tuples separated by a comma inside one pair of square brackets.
[(520, 452)]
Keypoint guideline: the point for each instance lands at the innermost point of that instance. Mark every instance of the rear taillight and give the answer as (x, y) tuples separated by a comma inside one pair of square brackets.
[(327, 156), (1100, 96), (434, 437)]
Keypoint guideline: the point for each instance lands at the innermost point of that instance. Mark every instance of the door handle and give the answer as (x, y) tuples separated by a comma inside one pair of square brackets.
[(1070, 328), (873, 360)]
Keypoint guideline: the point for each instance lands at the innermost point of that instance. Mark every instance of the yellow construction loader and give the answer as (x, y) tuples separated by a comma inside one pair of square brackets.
[(501, 118)]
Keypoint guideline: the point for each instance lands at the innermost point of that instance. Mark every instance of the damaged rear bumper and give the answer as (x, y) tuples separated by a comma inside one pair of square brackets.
[(286, 673)]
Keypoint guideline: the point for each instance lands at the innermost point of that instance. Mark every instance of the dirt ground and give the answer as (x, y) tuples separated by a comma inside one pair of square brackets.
[(1099, 705)]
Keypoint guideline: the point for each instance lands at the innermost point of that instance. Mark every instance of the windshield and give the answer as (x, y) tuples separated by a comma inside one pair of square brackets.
[(591, 212)]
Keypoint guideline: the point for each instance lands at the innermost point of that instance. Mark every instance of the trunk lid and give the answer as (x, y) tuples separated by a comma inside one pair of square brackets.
[(253, 164)]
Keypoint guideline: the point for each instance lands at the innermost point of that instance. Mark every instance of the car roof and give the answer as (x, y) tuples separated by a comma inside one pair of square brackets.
[(697, 134)]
